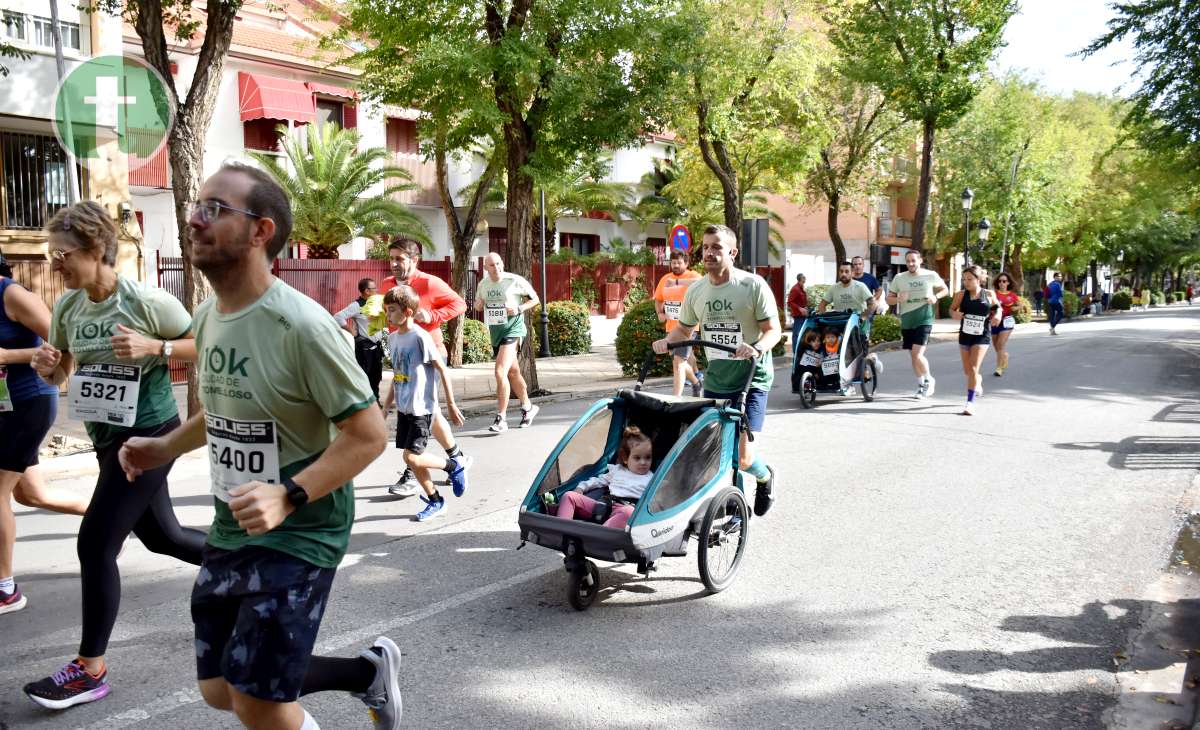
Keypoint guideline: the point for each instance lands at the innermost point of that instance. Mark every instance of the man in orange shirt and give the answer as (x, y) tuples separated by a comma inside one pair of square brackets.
[(439, 303), (668, 298)]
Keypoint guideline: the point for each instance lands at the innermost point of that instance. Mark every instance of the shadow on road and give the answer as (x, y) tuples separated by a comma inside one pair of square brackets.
[(1096, 641), (1139, 453)]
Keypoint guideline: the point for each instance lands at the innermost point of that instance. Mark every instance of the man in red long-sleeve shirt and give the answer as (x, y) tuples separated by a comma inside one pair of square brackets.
[(797, 304), (439, 303)]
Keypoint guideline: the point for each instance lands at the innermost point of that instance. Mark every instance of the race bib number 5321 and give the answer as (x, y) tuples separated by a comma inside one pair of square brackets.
[(105, 393), (240, 452)]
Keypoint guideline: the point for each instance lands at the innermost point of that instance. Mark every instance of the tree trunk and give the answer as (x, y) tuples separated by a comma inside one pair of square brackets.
[(839, 248), (186, 161), (185, 144), (519, 220), (923, 187), (458, 280), (1095, 267), (1016, 269)]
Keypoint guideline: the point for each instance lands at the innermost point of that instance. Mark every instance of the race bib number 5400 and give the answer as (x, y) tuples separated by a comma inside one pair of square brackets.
[(105, 393), (240, 452)]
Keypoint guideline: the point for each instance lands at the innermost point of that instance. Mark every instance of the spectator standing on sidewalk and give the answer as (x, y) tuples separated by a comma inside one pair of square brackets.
[(1054, 302), (368, 347), (1191, 292), (797, 304), (1038, 296)]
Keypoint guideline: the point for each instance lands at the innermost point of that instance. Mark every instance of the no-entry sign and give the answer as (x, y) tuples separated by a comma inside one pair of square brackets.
[(681, 238)]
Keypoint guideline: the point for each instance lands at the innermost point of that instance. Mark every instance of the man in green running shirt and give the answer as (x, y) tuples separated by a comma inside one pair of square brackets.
[(735, 308), (289, 419)]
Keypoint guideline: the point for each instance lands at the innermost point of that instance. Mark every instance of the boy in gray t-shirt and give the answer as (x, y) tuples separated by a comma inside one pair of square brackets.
[(417, 366)]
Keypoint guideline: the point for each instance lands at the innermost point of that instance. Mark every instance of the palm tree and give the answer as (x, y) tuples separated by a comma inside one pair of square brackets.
[(328, 183)]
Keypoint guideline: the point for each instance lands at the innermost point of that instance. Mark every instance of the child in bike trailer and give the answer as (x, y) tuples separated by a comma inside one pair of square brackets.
[(625, 482), (810, 353)]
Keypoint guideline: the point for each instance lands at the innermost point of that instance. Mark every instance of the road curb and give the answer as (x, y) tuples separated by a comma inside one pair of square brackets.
[(1164, 651)]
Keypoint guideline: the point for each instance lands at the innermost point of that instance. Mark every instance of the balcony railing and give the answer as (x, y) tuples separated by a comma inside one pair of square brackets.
[(894, 228)]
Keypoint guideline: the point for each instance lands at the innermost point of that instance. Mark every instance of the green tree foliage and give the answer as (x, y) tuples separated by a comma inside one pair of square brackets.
[(1165, 109), (856, 159), (742, 101), (545, 80), (925, 57), (1029, 157), (327, 178)]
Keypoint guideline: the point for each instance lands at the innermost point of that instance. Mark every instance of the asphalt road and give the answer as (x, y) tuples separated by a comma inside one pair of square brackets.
[(921, 569)]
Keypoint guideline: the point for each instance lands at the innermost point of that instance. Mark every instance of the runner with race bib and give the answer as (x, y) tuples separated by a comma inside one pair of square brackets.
[(977, 310), (504, 298), (735, 308), (27, 409), (119, 333), (289, 419), (668, 301), (1008, 302)]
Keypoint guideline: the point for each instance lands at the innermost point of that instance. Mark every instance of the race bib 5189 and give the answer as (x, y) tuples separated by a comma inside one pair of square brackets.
[(494, 315)]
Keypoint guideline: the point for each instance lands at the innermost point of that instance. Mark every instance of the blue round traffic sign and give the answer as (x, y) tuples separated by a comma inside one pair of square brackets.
[(681, 238)]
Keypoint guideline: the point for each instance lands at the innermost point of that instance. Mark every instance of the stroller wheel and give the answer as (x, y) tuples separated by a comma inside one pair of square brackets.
[(723, 536), (808, 391), (582, 586), (870, 380)]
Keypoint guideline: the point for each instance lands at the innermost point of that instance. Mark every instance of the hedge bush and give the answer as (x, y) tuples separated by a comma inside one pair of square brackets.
[(1023, 311), (815, 292), (1181, 296), (570, 328), (1070, 304), (1171, 298), (1123, 300), (1157, 298), (638, 330), (477, 343), (885, 328)]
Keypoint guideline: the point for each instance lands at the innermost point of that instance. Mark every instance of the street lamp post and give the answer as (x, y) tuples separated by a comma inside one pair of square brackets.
[(984, 229), (545, 313), (968, 197)]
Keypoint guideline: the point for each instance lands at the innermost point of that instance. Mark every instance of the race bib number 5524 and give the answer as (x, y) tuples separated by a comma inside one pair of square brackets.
[(240, 452)]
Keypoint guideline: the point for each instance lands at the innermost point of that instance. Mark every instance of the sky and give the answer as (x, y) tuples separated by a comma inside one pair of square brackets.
[(1044, 33)]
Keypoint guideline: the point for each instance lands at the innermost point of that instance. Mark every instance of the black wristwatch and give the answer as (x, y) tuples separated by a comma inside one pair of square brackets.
[(296, 495)]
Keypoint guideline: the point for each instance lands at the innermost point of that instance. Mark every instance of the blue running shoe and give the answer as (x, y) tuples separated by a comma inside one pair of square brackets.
[(432, 509), (458, 476)]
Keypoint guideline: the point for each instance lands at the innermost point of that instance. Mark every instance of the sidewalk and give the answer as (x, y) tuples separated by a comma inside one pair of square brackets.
[(566, 378)]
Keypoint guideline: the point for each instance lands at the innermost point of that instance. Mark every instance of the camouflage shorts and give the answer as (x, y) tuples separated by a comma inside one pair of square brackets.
[(257, 612)]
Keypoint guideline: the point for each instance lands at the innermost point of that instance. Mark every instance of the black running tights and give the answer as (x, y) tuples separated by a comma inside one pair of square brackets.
[(118, 508)]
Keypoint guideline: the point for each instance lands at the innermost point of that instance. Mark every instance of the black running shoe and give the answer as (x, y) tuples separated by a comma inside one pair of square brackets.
[(764, 495), (72, 685)]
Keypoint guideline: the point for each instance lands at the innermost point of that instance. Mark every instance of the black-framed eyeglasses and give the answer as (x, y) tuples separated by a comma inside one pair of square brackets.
[(206, 211)]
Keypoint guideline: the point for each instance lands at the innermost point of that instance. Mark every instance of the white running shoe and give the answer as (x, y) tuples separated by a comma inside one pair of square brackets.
[(968, 408), (930, 385), (920, 390), (406, 486), (500, 425), (527, 416), (382, 698)]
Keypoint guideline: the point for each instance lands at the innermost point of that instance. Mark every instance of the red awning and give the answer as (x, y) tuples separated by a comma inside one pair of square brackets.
[(268, 97), (317, 87)]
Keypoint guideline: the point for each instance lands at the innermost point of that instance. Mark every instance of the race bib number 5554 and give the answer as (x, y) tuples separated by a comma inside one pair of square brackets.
[(240, 452), (722, 333)]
